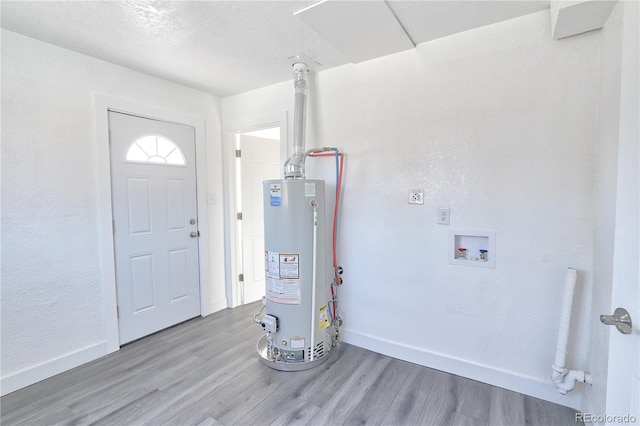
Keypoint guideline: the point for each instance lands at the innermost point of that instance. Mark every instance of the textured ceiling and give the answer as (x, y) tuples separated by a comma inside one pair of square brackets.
[(224, 47)]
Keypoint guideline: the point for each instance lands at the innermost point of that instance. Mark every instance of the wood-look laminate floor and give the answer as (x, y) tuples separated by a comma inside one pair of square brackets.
[(206, 372)]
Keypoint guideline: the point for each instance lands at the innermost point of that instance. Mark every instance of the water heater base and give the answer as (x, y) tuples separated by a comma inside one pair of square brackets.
[(291, 366)]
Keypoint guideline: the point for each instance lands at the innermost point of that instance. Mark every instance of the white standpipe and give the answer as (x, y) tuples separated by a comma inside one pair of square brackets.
[(564, 379)]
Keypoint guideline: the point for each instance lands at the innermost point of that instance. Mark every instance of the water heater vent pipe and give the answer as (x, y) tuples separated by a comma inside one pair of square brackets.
[(294, 166)]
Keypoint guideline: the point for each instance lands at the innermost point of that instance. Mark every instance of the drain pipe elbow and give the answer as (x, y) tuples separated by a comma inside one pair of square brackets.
[(565, 380)]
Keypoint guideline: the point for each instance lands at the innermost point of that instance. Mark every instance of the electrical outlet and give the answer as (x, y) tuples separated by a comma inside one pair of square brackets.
[(416, 196), (443, 215)]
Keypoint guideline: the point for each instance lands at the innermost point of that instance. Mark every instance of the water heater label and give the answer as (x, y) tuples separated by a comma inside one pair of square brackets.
[(289, 266), (272, 264), (296, 343), (275, 190), (309, 189), (282, 273), (323, 321), (286, 292)]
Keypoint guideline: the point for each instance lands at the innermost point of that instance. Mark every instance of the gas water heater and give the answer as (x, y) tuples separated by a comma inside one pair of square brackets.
[(301, 321), (295, 272)]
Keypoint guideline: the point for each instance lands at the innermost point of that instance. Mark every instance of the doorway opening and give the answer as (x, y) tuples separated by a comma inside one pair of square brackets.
[(257, 158)]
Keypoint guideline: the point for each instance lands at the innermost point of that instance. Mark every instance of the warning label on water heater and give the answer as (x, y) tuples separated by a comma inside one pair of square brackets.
[(323, 321), (289, 266), (283, 291), (296, 343), (272, 264), (282, 275)]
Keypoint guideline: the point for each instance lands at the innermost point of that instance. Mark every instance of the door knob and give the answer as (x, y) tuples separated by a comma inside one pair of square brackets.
[(195, 234), (620, 318)]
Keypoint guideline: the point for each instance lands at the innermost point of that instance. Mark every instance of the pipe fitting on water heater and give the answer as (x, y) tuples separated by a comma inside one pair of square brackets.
[(294, 167)]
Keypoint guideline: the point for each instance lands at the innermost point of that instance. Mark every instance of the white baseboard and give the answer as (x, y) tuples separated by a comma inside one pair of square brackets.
[(215, 306), (50, 368), (532, 386), (66, 362)]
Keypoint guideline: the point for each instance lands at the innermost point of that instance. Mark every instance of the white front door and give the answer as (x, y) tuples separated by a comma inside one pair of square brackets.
[(153, 183), (260, 161)]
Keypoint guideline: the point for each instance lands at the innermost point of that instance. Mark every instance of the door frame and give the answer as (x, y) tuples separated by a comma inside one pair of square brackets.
[(230, 130), (103, 104)]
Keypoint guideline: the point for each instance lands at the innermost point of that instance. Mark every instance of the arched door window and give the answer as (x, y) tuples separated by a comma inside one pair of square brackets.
[(155, 149)]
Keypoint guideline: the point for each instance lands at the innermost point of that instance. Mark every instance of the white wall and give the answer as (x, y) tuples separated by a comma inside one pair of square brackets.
[(52, 291), (500, 124)]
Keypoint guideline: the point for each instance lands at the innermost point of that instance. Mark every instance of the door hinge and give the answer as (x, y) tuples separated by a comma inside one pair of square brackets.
[(114, 226), (238, 153), (241, 277), (239, 216), (118, 311)]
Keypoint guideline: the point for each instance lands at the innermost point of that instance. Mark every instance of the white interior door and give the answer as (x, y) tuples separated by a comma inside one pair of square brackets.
[(260, 161), (623, 378), (155, 223)]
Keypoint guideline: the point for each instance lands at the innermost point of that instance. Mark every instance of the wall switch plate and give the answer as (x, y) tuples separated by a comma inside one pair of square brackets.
[(444, 214), (416, 196)]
